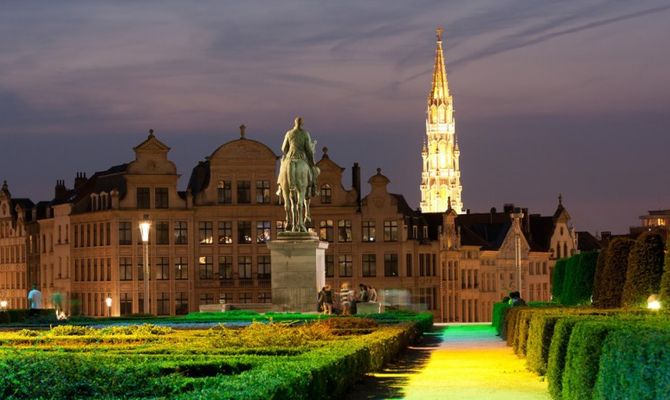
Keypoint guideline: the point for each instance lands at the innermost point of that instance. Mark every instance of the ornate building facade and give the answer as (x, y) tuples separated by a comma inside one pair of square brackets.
[(208, 243), (441, 177), (15, 216)]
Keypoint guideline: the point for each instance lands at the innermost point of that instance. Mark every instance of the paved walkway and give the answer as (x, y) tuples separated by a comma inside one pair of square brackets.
[(461, 362)]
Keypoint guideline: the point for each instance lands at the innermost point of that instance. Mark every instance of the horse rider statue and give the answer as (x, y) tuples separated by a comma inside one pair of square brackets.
[(297, 179)]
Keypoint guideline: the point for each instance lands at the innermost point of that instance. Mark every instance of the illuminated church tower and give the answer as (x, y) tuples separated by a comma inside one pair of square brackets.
[(441, 176)]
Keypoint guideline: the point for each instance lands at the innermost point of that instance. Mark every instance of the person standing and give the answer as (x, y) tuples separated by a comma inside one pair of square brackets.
[(345, 298), (326, 298), (34, 299)]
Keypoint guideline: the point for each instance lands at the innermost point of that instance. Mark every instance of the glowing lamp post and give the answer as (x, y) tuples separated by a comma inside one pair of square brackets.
[(517, 216), (108, 301), (3, 305), (145, 227), (653, 303)]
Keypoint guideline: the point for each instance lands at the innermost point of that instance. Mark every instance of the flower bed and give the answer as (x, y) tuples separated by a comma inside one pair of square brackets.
[(261, 361)]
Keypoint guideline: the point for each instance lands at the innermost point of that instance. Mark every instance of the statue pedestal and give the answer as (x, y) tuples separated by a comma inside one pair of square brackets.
[(298, 267)]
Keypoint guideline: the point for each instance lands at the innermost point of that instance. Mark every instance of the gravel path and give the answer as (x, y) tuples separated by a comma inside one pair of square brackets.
[(462, 362)]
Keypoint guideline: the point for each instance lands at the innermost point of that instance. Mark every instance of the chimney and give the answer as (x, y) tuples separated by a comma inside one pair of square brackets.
[(356, 183), (60, 191), (79, 180), (492, 214), (508, 208)]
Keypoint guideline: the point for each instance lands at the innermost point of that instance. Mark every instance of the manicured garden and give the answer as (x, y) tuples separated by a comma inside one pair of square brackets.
[(297, 358), (604, 336)]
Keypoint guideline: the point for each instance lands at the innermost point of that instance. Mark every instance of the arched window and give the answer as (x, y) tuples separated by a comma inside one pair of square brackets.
[(326, 194)]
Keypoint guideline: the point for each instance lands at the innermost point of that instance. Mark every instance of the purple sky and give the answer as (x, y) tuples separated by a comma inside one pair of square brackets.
[(570, 97)]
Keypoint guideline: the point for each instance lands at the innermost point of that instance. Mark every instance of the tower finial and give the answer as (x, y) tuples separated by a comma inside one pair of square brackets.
[(560, 200), (243, 131), (438, 32)]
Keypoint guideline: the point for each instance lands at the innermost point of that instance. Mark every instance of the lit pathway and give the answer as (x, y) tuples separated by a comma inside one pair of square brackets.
[(463, 362)]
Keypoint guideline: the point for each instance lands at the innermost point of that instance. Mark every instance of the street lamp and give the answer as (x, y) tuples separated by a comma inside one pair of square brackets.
[(108, 301), (517, 216), (145, 227), (653, 303), (3, 305)]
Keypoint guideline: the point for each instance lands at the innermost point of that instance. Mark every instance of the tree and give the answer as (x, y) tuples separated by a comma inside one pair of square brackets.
[(614, 274), (599, 276), (665, 280), (645, 269), (557, 277)]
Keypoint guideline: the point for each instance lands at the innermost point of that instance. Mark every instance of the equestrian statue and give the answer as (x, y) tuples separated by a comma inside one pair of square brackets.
[(297, 177)]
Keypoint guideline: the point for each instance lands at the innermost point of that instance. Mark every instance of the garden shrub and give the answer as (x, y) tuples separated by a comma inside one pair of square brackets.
[(583, 356), (633, 365), (511, 320), (665, 279), (557, 352), (614, 274), (540, 332), (498, 316), (71, 330), (557, 278), (645, 269), (578, 280), (599, 277), (521, 331)]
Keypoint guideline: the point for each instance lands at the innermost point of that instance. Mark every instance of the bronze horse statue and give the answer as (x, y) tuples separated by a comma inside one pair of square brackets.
[(297, 177)]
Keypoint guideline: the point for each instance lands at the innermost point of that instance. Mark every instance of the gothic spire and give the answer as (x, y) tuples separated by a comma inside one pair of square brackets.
[(439, 92)]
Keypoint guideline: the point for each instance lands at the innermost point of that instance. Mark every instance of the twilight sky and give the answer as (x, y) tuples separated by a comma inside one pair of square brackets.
[(570, 96)]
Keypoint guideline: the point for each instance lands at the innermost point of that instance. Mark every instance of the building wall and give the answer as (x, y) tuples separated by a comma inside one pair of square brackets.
[(13, 262)]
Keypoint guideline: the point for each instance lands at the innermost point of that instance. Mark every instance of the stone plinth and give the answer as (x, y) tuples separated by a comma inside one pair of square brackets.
[(298, 271)]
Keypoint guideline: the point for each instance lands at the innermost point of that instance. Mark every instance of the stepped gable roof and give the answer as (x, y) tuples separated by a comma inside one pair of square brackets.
[(587, 242), (200, 176)]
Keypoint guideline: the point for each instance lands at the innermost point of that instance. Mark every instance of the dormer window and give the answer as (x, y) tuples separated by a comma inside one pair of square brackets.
[(95, 204)]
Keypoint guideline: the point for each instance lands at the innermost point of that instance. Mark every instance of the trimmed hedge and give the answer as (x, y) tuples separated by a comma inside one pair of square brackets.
[(498, 316), (614, 275), (645, 269), (665, 280), (599, 276), (571, 345), (578, 281), (540, 332), (557, 278), (261, 361), (634, 365)]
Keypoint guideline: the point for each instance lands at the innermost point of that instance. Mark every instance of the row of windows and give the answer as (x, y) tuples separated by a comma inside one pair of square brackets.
[(6, 230), (12, 254), (245, 233), (369, 231), (93, 270), (345, 265), (12, 280), (537, 268), (206, 268), (161, 197), (224, 192), (92, 235)]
